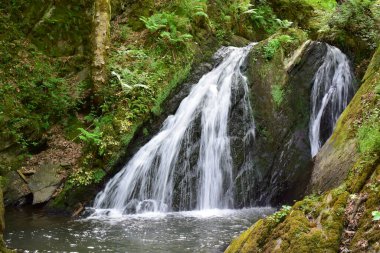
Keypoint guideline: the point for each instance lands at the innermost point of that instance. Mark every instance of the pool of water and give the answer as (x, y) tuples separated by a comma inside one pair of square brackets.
[(194, 231)]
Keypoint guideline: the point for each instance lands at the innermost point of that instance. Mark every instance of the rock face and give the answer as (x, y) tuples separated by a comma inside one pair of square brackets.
[(282, 162)]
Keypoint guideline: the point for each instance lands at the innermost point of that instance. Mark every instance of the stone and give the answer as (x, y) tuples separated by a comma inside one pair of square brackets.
[(281, 161), (44, 182), (16, 190)]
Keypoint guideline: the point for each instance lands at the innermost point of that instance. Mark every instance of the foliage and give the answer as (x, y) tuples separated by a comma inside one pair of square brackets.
[(90, 137), (369, 134), (256, 15), (375, 215), (264, 18), (280, 215), (277, 94), (274, 44), (193, 9), (32, 96), (83, 177), (142, 77), (324, 5), (356, 18), (171, 28)]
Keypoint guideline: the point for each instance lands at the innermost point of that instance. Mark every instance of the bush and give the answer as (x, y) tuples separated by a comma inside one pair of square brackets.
[(356, 18)]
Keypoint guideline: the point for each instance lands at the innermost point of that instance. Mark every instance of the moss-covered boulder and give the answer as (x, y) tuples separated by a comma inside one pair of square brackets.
[(341, 219)]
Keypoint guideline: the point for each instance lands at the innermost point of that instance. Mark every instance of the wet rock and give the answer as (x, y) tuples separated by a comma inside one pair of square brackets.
[(238, 41), (44, 182), (281, 164)]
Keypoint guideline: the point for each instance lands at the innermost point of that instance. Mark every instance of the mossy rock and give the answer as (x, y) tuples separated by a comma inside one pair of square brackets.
[(280, 79)]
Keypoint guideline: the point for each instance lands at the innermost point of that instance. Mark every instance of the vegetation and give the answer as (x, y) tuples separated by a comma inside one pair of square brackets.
[(376, 215), (356, 18), (281, 214), (275, 44), (277, 94)]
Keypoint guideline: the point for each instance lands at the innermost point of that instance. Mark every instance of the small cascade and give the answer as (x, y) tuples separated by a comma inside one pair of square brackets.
[(332, 90), (188, 164)]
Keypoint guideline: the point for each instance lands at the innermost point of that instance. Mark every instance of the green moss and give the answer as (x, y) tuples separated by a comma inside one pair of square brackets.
[(277, 94), (369, 134)]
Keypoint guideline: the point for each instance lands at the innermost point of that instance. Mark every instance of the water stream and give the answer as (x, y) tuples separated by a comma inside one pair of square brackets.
[(163, 176), (332, 90)]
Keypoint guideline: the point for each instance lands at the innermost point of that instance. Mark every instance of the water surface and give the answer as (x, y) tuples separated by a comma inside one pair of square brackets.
[(193, 231)]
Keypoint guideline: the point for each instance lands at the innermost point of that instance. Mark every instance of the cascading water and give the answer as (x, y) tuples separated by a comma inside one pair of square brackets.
[(332, 90), (162, 175)]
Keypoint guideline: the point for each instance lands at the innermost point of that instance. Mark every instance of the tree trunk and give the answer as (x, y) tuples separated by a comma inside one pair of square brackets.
[(101, 40)]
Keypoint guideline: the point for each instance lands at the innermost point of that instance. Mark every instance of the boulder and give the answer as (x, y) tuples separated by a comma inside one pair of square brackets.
[(16, 191), (45, 182), (280, 93)]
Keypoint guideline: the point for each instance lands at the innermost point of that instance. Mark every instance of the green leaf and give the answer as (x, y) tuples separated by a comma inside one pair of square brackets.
[(375, 215)]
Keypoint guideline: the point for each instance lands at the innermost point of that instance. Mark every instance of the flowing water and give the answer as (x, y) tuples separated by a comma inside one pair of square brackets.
[(163, 176), (332, 90), (180, 232)]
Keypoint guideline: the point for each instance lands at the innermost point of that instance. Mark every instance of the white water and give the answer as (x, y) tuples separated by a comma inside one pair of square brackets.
[(147, 182), (332, 90)]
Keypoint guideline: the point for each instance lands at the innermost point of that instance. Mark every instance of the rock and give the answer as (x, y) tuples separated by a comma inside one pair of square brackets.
[(44, 182), (2, 224), (16, 191), (331, 166), (281, 161), (238, 41)]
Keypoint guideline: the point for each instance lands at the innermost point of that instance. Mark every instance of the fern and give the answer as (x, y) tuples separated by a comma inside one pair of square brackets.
[(91, 137), (172, 28)]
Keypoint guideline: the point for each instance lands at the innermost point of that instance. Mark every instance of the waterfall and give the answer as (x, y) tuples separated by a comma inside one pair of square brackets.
[(163, 175), (332, 90)]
